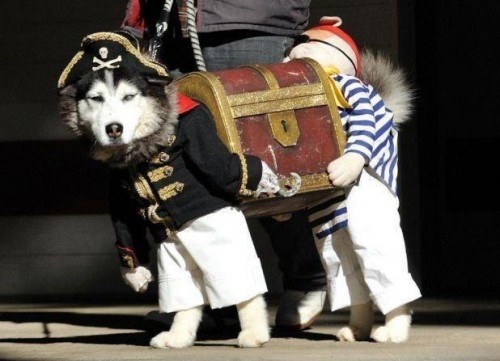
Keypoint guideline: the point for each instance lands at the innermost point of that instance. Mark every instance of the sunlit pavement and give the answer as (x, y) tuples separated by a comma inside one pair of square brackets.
[(442, 330)]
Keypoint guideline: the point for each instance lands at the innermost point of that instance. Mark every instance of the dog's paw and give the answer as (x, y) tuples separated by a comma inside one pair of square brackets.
[(346, 334), (381, 334), (352, 333), (253, 338), (170, 339), (397, 330)]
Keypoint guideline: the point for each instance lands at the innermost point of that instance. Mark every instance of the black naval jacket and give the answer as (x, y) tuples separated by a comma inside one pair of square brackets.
[(194, 175)]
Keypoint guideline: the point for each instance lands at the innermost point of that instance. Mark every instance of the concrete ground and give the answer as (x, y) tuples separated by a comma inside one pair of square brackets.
[(443, 330)]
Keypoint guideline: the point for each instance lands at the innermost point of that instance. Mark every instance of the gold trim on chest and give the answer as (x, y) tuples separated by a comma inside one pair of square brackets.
[(160, 173), (170, 190)]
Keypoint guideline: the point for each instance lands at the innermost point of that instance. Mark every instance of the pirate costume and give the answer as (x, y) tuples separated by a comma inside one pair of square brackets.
[(184, 194)]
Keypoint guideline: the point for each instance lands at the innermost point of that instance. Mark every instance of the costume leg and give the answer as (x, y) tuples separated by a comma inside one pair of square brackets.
[(221, 246), (374, 227), (180, 290), (328, 222), (180, 281), (345, 282), (349, 288)]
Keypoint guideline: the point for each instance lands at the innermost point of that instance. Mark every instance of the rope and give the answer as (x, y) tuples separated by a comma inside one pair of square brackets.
[(193, 35)]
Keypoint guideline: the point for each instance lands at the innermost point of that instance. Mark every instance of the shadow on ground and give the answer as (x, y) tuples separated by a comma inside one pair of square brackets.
[(213, 328), (217, 326)]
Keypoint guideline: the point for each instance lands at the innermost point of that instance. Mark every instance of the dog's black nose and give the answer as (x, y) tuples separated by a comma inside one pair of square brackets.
[(114, 130)]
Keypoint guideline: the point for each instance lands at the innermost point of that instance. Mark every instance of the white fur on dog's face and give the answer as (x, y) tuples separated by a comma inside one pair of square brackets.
[(106, 103)]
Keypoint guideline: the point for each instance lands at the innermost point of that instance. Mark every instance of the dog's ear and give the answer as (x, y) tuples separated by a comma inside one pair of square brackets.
[(67, 108), (69, 91)]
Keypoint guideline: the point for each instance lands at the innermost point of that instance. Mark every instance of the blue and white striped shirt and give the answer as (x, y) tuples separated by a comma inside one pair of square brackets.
[(369, 128), (370, 132)]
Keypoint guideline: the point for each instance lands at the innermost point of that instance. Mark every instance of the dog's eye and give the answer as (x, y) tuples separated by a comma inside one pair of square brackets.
[(128, 97), (97, 98)]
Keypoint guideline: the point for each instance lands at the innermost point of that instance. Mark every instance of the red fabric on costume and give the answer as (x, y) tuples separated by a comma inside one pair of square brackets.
[(185, 103)]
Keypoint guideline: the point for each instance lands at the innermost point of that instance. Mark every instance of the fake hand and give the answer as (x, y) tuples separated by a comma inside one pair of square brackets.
[(137, 278), (346, 169), (268, 182)]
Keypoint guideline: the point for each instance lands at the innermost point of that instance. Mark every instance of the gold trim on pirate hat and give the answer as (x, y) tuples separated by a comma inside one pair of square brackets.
[(111, 50)]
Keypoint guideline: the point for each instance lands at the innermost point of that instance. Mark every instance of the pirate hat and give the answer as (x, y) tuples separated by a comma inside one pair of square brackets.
[(329, 31), (110, 50)]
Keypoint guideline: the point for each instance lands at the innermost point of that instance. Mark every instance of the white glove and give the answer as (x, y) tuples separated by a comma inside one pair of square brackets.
[(137, 278), (268, 182), (346, 169)]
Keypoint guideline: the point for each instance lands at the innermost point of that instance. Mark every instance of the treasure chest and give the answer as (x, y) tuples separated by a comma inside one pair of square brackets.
[(285, 114)]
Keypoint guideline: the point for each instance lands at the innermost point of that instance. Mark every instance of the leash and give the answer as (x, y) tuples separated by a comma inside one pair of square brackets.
[(156, 42), (161, 28)]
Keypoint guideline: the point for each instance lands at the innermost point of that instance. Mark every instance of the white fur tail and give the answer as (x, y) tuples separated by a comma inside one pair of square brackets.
[(390, 82)]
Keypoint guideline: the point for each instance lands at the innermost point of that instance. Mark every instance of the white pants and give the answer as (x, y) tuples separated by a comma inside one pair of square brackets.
[(367, 259), (211, 260)]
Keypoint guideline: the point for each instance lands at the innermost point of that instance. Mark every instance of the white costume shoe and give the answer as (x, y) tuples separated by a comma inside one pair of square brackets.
[(298, 310)]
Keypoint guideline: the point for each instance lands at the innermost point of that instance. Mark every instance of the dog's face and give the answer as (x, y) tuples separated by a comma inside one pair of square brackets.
[(112, 112), (122, 103), (112, 108)]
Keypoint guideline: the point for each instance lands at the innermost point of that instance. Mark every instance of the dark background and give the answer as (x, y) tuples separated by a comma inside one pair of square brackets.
[(55, 239), (458, 137)]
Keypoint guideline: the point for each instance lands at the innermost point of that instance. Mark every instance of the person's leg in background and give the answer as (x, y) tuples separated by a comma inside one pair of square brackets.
[(304, 279), (231, 49)]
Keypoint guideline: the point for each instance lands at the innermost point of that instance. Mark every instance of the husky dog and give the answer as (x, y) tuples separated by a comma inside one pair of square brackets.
[(172, 175)]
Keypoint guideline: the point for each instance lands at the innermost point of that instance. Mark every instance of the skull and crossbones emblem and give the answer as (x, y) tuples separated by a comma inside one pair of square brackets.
[(101, 64)]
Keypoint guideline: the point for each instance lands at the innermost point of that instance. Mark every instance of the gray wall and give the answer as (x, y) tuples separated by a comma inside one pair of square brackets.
[(39, 38), (46, 255), (46, 249)]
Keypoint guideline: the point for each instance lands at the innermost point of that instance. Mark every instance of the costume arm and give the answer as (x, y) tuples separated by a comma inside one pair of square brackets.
[(130, 227), (360, 127), (360, 131), (224, 171)]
